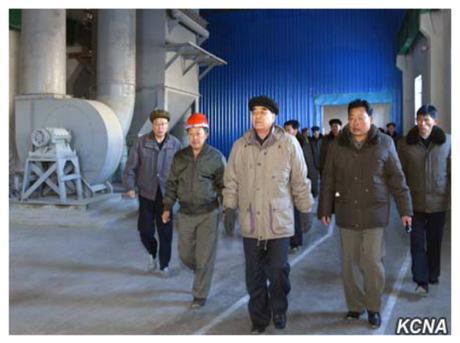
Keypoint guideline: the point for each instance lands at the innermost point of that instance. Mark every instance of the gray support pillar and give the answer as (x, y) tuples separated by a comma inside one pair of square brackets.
[(43, 52), (436, 26), (116, 62), (150, 67), (404, 63)]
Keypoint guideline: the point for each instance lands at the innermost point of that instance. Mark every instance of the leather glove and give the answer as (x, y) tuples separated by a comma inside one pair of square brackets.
[(305, 221), (229, 221)]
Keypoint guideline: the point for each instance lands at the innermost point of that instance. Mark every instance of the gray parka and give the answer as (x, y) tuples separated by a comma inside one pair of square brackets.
[(356, 183), (427, 170), (265, 182)]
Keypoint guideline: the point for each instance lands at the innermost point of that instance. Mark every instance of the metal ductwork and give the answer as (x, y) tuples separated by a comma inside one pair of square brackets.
[(191, 24), (43, 54), (116, 62), (167, 66), (167, 73), (97, 133)]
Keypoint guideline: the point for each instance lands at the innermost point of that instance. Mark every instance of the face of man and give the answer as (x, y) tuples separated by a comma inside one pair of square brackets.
[(359, 122), (335, 129), (289, 129), (316, 134), (262, 118), (197, 137), (425, 125), (391, 129), (160, 127)]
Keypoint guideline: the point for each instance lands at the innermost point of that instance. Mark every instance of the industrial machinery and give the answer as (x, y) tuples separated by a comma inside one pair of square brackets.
[(52, 165), (144, 59)]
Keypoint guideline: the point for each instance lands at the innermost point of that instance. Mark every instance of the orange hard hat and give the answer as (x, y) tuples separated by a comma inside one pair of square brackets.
[(197, 120)]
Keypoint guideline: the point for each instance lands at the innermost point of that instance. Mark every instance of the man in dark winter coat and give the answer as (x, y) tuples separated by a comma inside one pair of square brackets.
[(425, 157), (391, 131), (362, 169), (148, 168), (336, 126), (315, 141), (292, 127)]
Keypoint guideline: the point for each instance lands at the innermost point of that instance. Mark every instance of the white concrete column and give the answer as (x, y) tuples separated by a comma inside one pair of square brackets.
[(436, 27), (116, 62), (404, 63), (43, 54)]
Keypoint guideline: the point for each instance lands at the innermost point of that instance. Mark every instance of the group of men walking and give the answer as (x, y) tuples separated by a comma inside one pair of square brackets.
[(270, 184)]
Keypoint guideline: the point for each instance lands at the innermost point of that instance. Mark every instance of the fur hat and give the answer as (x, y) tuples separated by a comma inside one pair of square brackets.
[(265, 102)]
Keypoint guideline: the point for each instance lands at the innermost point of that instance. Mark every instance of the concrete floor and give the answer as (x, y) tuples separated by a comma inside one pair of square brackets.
[(91, 280)]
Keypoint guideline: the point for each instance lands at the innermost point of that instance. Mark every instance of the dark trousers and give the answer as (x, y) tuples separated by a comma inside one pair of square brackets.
[(425, 243), (150, 214), (297, 239), (266, 261)]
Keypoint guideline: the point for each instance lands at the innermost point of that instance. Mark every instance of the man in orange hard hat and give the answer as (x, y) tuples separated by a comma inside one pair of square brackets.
[(196, 181)]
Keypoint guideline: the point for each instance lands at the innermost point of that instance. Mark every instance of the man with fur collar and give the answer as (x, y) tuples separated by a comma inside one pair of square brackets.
[(362, 169), (425, 157)]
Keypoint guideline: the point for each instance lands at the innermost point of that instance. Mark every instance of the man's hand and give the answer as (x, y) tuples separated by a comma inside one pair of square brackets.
[(326, 220), (406, 220), (166, 216), (229, 221), (305, 221), (131, 194)]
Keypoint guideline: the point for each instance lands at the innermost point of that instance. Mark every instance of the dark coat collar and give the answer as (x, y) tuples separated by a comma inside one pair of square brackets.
[(345, 136), (189, 151), (437, 136), (330, 136)]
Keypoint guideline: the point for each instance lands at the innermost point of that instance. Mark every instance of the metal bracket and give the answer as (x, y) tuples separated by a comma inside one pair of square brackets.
[(196, 55)]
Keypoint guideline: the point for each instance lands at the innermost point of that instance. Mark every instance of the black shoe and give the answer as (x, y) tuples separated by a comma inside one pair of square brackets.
[(374, 319), (257, 329), (353, 315), (434, 281), (279, 320)]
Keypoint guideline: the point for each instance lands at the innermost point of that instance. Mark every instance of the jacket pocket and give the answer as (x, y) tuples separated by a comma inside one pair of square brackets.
[(247, 225), (281, 216)]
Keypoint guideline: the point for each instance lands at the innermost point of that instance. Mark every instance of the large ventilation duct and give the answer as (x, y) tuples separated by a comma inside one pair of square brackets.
[(43, 54), (190, 24), (97, 134), (167, 66), (116, 62)]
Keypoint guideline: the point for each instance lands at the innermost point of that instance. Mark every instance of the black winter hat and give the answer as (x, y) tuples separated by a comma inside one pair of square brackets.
[(335, 121), (265, 102)]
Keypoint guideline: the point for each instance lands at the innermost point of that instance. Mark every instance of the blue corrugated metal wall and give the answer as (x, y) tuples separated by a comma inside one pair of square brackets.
[(296, 56)]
